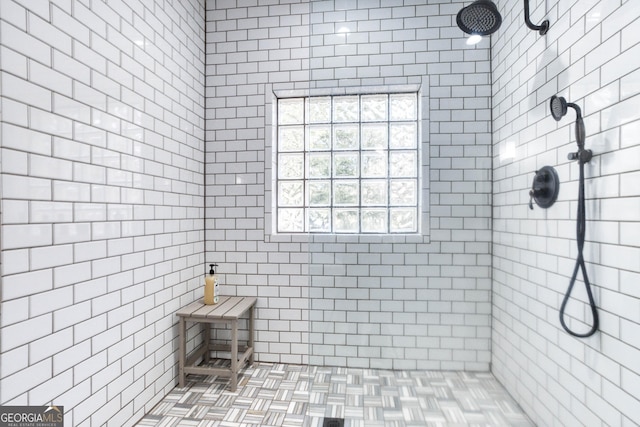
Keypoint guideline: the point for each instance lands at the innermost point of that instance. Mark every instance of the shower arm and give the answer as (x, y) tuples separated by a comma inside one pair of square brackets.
[(542, 28)]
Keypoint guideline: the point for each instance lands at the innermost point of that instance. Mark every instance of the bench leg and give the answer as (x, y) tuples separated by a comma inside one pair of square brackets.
[(252, 318), (182, 350), (234, 355), (206, 336)]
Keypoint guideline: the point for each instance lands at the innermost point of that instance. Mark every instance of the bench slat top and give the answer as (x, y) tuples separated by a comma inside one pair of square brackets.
[(226, 308)]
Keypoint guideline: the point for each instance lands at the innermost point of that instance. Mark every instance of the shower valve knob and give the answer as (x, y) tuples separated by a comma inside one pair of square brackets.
[(531, 193)]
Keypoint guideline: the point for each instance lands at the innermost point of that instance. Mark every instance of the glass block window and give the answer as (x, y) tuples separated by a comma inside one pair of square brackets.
[(348, 164)]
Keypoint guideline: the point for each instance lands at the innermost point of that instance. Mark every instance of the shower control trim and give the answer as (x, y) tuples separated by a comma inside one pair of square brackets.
[(545, 188)]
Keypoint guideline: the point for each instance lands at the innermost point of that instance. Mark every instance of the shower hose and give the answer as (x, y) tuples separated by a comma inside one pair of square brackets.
[(580, 231)]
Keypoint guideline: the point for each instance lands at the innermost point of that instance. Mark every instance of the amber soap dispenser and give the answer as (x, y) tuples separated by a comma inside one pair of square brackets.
[(211, 286)]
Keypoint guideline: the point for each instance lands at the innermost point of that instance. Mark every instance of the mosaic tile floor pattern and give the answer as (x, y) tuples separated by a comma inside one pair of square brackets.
[(293, 395)]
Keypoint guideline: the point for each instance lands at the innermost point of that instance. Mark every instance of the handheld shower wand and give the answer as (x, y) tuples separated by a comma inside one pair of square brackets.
[(558, 111), (558, 107)]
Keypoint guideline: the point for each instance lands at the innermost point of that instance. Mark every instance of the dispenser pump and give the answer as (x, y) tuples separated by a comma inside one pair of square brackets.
[(211, 292)]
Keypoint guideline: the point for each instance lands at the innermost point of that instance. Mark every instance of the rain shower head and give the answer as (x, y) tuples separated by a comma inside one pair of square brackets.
[(481, 17), (558, 106)]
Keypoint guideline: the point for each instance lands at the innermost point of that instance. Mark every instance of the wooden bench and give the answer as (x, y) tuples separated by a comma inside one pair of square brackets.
[(228, 310)]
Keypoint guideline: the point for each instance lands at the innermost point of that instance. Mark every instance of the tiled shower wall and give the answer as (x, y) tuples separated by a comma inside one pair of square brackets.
[(102, 201), (405, 302), (591, 55)]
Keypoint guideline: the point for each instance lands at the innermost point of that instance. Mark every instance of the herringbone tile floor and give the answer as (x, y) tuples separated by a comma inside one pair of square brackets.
[(293, 395)]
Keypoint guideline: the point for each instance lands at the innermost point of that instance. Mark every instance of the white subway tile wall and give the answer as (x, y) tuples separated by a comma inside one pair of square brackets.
[(402, 302), (102, 140), (590, 56), (116, 118)]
